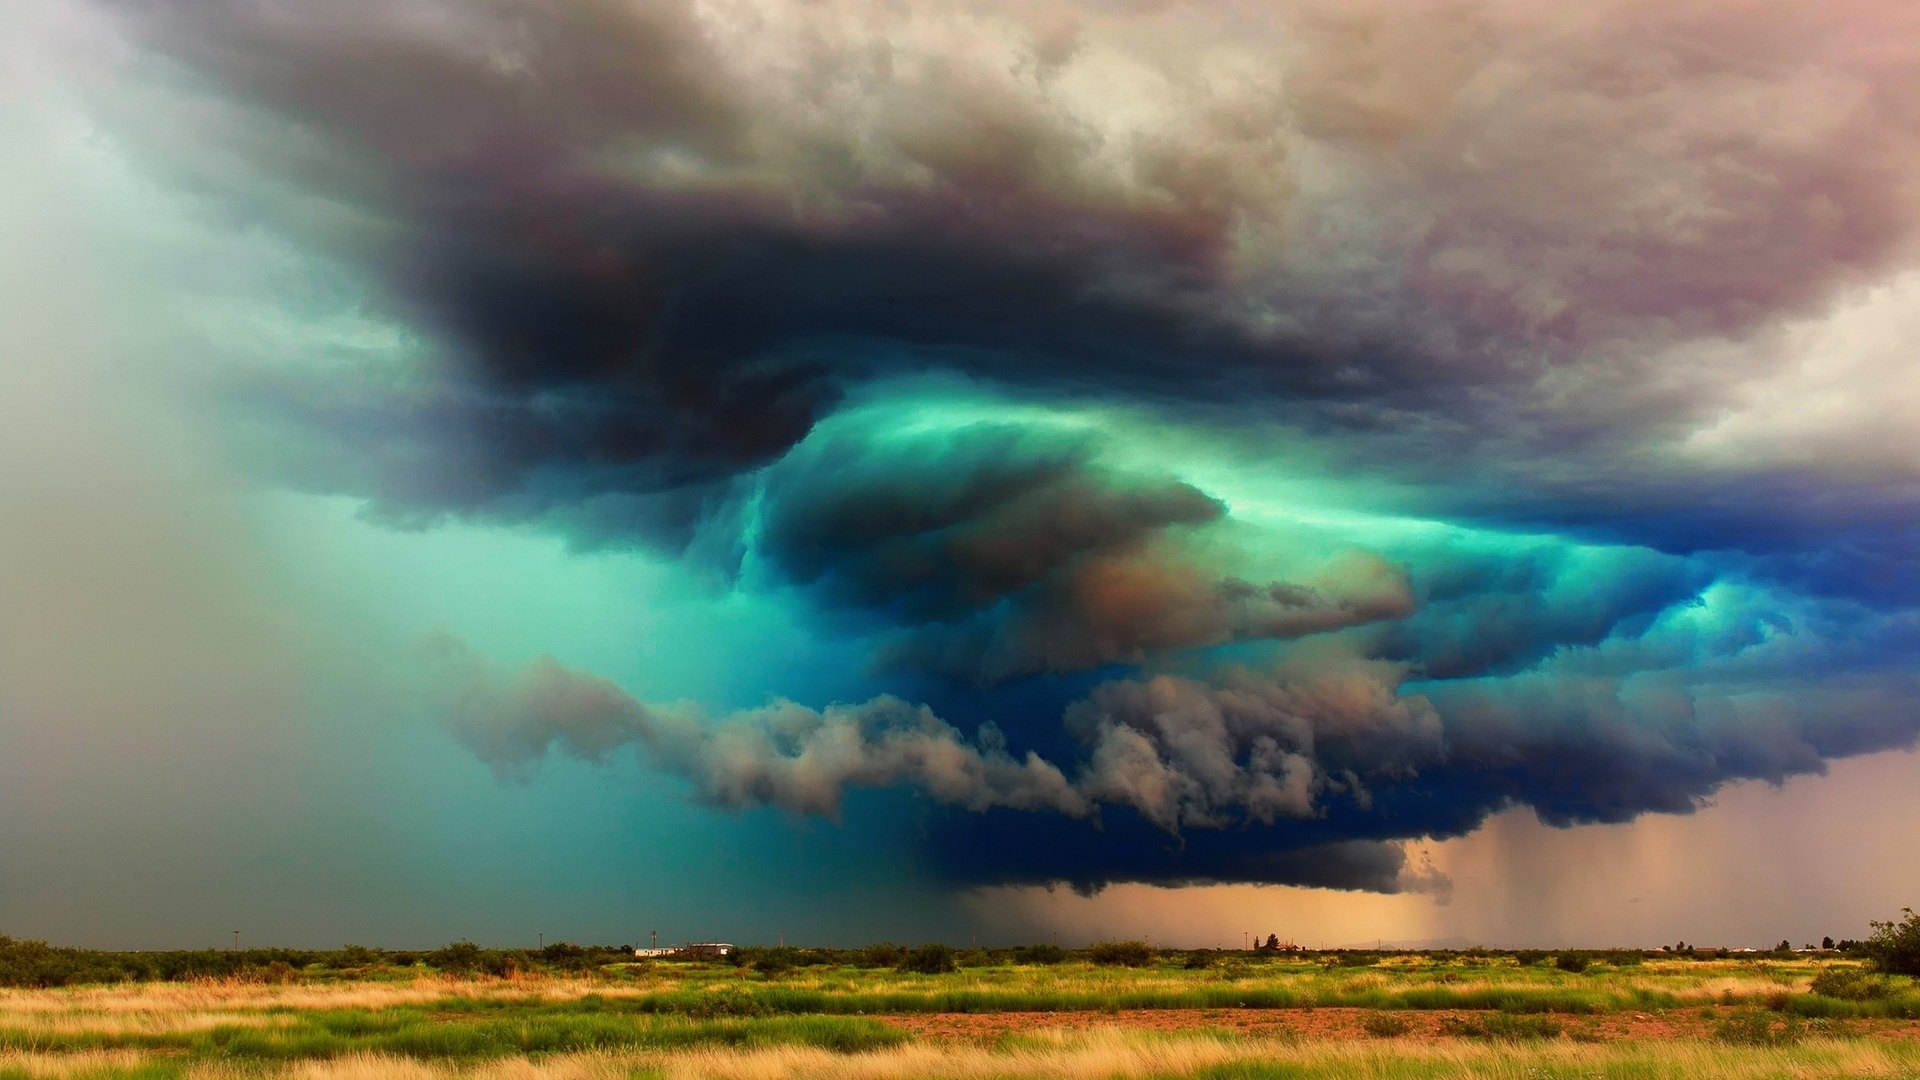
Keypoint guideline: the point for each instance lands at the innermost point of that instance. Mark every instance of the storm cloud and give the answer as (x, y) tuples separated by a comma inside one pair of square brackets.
[(1000, 550), (1346, 413)]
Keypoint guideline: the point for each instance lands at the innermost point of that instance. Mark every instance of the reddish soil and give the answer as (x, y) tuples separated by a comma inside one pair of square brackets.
[(1339, 1023)]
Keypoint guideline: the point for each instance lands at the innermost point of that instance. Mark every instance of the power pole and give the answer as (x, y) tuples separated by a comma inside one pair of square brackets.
[(236, 941), (655, 938)]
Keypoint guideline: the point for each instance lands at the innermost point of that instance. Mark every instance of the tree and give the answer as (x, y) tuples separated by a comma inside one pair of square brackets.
[(1826, 943), (933, 959), (1895, 946), (1273, 941), (1120, 953), (460, 957)]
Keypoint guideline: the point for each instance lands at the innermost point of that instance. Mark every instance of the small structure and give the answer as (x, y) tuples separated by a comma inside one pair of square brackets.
[(692, 950)]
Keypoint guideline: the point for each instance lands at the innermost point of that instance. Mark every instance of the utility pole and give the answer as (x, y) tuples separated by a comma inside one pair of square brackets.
[(655, 938), (543, 941), (236, 941), (783, 939)]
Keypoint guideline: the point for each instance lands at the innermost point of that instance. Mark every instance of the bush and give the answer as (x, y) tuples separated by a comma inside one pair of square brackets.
[(1850, 984), (1198, 960), (1505, 1026), (1894, 947), (934, 959), (1047, 953), (775, 961), (1386, 1025), (883, 955), (358, 956), (727, 1001), (1573, 962), (1120, 953), (460, 958), (1529, 957), (1751, 1027)]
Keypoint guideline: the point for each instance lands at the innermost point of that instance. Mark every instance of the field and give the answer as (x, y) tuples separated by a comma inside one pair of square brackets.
[(1221, 1017)]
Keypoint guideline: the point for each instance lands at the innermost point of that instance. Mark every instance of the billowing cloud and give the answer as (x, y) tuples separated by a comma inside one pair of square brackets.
[(1246, 773), (1520, 289), (784, 755), (655, 242), (999, 549)]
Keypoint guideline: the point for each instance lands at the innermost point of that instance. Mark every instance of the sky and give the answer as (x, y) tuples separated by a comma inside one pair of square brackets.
[(1366, 472)]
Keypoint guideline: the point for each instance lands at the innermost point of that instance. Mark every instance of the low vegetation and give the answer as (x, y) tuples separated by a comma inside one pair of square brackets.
[(1118, 1008)]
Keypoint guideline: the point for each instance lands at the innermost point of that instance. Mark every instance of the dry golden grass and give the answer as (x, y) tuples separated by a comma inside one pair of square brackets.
[(178, 1017), (56, 1066), (241, 994), (1115, 1054), (124, 1025)]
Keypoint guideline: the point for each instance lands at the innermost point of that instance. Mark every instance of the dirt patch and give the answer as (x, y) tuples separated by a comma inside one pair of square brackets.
[(1345, 1023)]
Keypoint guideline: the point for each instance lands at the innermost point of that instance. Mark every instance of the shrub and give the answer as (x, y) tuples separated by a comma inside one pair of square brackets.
[(1521, 1026), (1573, 962), (358, 956), (1506, 1026), (460, 958), (933, 959), (883, 955), (775, 961), (1386, 1025), (727, 1001), (1039, 954), (1894, 947), (1120, 953), (1850, 984), (1198, 960), (1529, 957), (1751, 1027)]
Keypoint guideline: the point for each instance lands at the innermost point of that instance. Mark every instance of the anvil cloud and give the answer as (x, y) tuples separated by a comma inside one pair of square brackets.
[(1240, 437)]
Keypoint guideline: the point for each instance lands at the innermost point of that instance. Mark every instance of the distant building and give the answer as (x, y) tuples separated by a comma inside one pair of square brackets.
[(692, 950)]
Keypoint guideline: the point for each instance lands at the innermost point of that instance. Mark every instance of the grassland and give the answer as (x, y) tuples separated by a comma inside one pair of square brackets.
[(1226, 1017)]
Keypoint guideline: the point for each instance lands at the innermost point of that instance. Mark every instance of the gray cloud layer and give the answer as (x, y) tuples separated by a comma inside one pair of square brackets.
[(784, 755), (1514, 258), (657, 240)]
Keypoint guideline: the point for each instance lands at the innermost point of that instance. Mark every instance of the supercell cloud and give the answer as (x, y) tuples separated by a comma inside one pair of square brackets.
[(1238, 439)]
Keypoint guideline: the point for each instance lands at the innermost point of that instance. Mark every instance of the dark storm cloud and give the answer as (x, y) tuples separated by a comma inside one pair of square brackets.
[(1311, 771), (634, 294), (655, 243), (1516, 256), (997, 549)]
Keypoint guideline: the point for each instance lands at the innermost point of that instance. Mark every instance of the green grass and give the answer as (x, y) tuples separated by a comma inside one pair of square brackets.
[(424, 1034)]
